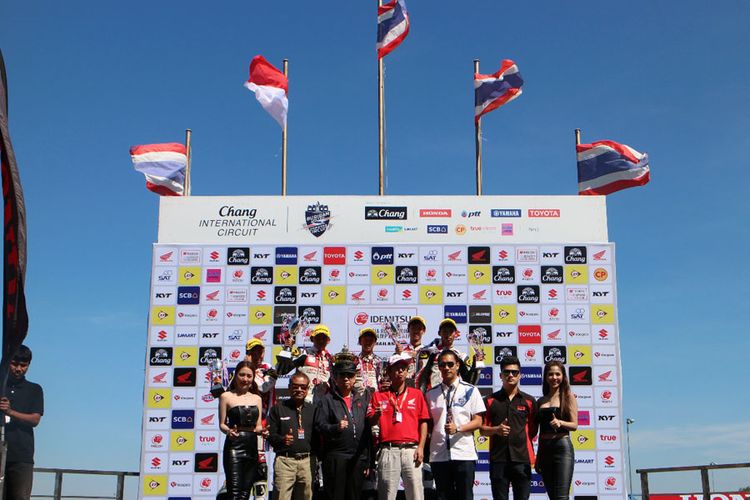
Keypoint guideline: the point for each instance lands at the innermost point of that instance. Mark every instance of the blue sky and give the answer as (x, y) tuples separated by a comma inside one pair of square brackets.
[(89, 79)]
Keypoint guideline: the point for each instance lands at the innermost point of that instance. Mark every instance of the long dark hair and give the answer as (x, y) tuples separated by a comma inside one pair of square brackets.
[(233, 382), (566, 395)]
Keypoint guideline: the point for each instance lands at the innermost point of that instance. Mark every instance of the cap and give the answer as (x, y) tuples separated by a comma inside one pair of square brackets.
[(344, 366), (365, 331), (399, 358), (253, 343), (448, 321), (320, 329), (419, 319)]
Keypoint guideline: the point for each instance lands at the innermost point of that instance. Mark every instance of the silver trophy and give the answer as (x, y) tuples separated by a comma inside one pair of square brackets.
[(476, 341), (394, 331), (290, 328), (219, 376)]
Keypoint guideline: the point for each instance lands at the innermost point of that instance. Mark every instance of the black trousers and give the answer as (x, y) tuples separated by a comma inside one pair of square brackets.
[(454, 480), (18, 479), (343, 477), (556, 460), (504, 474), (241, 464)]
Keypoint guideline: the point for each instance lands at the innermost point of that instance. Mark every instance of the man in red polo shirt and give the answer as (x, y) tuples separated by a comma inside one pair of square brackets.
[(402, 415)]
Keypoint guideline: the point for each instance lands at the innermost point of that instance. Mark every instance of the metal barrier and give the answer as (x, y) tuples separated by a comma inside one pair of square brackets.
[(57, 494), (705, 485)]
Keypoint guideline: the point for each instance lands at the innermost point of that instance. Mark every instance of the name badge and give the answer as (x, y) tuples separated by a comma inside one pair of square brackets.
[(300, 433), (397, 417)]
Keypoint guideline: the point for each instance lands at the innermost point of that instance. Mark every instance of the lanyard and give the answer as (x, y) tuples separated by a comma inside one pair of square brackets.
[(449, 402)]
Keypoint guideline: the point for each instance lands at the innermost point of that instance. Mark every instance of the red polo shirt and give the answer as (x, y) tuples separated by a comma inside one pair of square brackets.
[(413, 410)]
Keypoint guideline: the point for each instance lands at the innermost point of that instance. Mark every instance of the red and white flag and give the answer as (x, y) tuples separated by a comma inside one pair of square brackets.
[(270, 87)]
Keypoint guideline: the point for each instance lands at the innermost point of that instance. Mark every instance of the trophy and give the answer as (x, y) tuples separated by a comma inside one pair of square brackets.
[(476, 341), (394, 332), (219, 376), (288, 336)]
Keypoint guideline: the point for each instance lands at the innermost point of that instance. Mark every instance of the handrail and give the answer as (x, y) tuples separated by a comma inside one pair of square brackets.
[(59, 473), (705, 485)]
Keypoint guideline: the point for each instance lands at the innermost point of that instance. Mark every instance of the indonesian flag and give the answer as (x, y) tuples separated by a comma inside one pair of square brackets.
[(270, 87)]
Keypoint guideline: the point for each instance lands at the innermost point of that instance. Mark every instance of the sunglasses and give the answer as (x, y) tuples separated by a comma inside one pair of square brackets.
[(512, 373), (446, 364)]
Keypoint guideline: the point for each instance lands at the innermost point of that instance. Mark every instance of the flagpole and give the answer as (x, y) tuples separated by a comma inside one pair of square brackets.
[(283, 142), (577, 133), (381, 119), (478, 141), (188, 133)]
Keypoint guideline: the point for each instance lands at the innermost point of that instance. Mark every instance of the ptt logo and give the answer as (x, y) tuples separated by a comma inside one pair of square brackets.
[(456, 313), (183, 419), (286, 255), (188, 295), (437, 229), (382, 255)]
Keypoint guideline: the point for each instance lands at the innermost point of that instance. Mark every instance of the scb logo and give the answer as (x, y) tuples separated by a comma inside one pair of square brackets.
[(537, 484)]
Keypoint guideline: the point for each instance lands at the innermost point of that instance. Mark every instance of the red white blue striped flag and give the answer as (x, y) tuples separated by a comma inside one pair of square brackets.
[(393, 26), (492, 91), (163, 165), (607, 166)]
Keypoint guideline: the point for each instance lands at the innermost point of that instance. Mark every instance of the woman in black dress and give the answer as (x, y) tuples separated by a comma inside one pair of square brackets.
[(558, 415), (240, 408)]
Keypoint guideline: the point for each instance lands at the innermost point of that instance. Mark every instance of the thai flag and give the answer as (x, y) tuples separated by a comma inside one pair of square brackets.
[(163, 165), (271, 87), (393, 26), (606, 166), (492, 91)]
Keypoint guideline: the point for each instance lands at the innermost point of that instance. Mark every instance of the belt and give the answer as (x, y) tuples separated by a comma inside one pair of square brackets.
[(391, 444), (296, 456)]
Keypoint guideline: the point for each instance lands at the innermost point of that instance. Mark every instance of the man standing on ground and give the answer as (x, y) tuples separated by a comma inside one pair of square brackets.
[(401, 412), (456, 409), (22, 409), (290, 432), (347, 440), (510, 422)]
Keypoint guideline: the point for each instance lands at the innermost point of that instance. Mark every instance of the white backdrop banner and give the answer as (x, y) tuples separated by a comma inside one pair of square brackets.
[(541, 288)]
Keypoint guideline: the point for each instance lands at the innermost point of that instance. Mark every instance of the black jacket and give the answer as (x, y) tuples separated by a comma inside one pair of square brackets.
[(355, 439)]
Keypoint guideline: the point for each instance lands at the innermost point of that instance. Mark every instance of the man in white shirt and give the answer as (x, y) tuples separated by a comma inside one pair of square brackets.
[(456, 408)]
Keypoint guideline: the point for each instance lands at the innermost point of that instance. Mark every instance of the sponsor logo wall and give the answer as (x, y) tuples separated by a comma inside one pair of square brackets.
[(539, 301)]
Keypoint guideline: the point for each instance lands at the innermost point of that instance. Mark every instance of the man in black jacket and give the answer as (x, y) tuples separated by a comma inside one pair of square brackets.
[(341, 421), (290, 432)]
